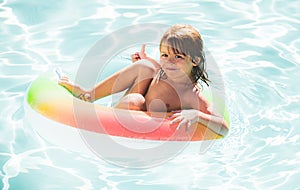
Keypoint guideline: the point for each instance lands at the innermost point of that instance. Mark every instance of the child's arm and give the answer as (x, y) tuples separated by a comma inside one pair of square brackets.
[(188, 117), (202, 113), (142, 55)]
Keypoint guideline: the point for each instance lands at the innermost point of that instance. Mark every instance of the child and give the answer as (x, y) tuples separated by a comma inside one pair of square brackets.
[(166, 86)]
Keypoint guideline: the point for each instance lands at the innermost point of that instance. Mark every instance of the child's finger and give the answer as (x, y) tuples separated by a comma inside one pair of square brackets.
[(143, 48), (135, 57), (176, 120), (188, 126), (174, 115), (181, 124)]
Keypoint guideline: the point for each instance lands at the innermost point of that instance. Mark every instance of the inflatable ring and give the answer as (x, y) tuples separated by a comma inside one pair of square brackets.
[(50, 110)]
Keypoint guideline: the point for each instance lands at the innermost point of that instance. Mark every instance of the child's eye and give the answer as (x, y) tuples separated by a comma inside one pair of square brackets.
[(179, 56), (164, 55)]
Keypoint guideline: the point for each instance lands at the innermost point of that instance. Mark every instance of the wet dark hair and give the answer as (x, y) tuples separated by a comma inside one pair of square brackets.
[(186, 40)]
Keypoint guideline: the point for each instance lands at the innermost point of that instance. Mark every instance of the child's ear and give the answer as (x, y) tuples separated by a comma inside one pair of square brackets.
[(196, 61)]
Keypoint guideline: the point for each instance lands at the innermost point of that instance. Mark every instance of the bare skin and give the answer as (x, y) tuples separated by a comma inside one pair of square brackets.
[(175, 92), (135, 79)]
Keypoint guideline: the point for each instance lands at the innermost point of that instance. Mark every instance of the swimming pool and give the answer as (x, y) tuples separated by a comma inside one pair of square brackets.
[(256, 46)]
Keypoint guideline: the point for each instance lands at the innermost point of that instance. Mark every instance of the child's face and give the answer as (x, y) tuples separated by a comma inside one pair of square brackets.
[(172, 62)]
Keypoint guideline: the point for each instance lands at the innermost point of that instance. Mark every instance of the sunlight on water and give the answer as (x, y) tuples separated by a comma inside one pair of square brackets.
[(255, 44)]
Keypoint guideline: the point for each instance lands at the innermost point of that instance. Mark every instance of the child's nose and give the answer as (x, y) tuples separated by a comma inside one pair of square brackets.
[(171, 60)]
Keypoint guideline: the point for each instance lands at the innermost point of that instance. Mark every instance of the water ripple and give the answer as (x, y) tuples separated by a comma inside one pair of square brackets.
[(257, 49)]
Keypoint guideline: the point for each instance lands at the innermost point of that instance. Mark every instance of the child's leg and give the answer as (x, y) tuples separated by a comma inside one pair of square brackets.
[(76, 90), (134, 97), (136, 78), (133, 101)]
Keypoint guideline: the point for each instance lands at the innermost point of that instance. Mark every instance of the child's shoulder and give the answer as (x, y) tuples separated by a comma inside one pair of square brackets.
[(196, 98)]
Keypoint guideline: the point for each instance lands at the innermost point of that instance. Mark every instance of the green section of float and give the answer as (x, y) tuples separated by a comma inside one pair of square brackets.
[(218, 102), (43, 87)]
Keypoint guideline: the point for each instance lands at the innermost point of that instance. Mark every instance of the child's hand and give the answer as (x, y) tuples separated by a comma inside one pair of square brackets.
[(185, 118), (74, 89), (139, 55)]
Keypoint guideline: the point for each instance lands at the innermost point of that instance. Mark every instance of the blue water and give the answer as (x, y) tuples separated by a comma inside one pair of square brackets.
[(255, 44)]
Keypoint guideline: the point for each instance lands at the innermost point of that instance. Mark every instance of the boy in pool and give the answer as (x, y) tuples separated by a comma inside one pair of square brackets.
[(169, 85)]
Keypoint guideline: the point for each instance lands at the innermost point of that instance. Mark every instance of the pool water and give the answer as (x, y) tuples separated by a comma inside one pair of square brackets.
[(255, 44)]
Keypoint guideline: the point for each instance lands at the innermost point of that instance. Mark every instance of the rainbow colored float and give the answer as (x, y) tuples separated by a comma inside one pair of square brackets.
[(62, 119)]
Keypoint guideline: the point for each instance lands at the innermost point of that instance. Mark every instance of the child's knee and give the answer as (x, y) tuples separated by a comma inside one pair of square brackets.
[(133, 101)]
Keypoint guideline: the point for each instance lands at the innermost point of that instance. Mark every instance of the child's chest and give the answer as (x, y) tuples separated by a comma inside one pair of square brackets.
[(163, 97)]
